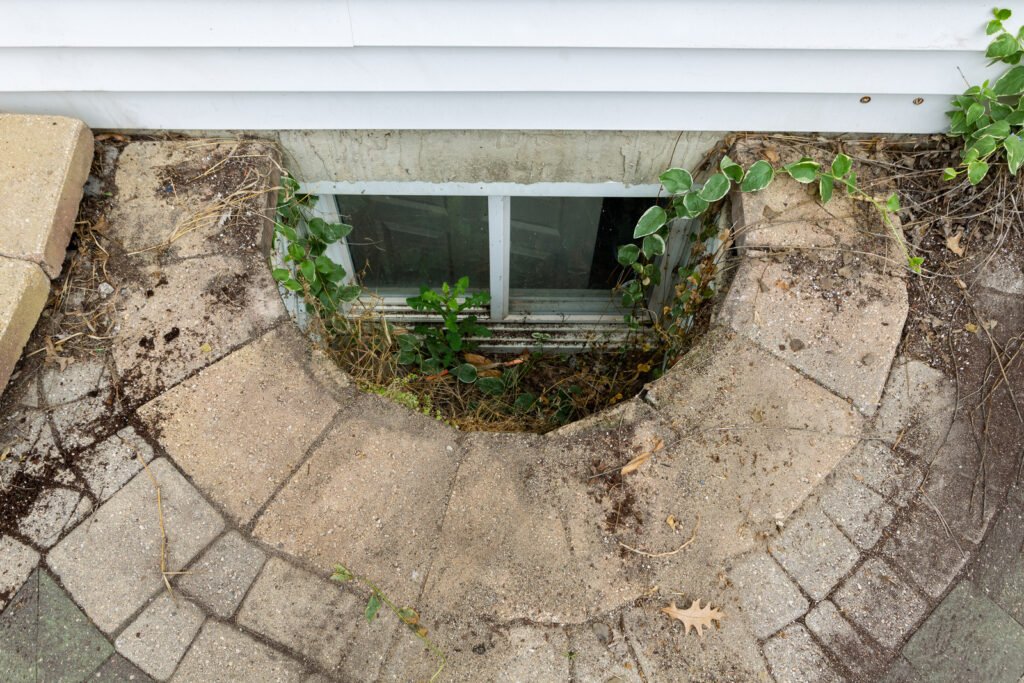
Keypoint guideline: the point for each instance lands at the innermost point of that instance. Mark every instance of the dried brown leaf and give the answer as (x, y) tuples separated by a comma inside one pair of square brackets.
[(634, 464), (953, 243), (475, 359), (694, 616)]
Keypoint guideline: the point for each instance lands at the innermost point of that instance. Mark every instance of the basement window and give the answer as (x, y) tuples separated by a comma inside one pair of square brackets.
[(545, 252)]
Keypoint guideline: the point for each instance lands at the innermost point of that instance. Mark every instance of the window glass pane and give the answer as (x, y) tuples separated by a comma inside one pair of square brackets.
[(570, 243), (407, 241)]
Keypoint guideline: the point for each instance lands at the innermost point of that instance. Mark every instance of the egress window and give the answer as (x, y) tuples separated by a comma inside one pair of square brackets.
[(545, 252)]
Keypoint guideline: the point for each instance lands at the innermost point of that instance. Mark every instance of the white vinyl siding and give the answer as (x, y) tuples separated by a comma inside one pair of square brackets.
[(791, 65)]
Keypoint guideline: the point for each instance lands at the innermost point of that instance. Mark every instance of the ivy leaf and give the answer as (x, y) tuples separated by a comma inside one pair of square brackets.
[(349, 293), (308, 270), (491, 385), (676, 180), (466, 373), (650, 222), (287, 231), (1010, 83), (281, 274), (841, 165), (1002, 47), (758, 177), (731, 169), (693, 205), (654, 245), (372, 607), (716, 187), (976, 170), (974, 112), (628, 254), (1014, 147), (825, 184), (804, 171)]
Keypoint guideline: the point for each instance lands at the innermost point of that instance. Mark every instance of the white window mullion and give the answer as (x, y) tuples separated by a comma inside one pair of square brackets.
[(499, 226)]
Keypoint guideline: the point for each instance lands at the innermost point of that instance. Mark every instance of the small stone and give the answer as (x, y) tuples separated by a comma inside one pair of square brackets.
[(602, 631)]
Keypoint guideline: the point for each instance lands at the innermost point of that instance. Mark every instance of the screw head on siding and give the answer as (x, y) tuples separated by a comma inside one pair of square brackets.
[(865, 99)]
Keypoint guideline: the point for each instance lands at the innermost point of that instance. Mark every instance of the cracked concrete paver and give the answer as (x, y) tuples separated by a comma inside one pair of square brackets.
[(111, 564), (371, 496), (842, 333), (240, 426)]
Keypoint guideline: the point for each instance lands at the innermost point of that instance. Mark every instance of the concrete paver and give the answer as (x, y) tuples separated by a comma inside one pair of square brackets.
[(224, 654), (17, 561), (112, 564), (161, 342), (321, 620), (117, 669), (770, 599), (917, 408), (880, 602), (239, 427), (795, 658), (54, 511), (159, 637), (999, 570), (371, 496), (926, 550), (814, 552), (968, 638), (861, 513), (44, 636), (861, 656), (770, 431), (23, 292), (109, 465), (840, 332), (44, 161), (223, 574)]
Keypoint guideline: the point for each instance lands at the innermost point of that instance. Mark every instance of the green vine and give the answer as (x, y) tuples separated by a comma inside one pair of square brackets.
[(311, 271), (989, 117), (685, 199), (407, 615)]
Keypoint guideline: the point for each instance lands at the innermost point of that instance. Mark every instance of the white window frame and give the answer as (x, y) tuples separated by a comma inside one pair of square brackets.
[(499, 199)]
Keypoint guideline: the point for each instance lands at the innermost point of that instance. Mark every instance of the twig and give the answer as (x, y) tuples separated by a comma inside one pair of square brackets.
[(693, 537), (163, 531)]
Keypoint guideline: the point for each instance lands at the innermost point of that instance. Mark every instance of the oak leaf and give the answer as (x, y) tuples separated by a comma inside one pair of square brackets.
[(694, 616)]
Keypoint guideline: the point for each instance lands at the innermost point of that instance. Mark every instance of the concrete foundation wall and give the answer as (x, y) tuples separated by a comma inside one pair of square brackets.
[(525, 157)]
